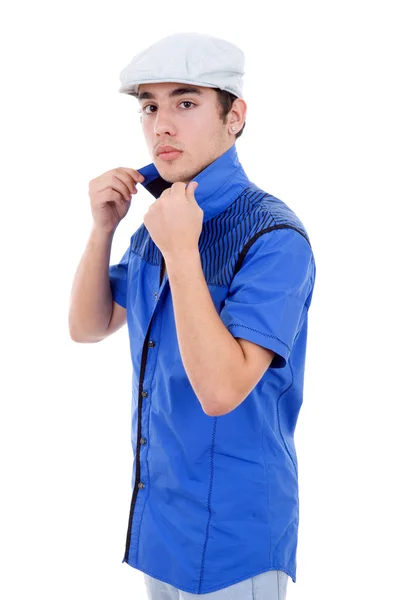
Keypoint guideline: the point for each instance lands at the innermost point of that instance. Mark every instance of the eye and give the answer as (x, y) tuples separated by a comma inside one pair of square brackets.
[(187, 102), (147, 109)]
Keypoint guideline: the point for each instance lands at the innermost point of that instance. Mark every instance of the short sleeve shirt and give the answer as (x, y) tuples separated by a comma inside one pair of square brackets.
[(215, 498)]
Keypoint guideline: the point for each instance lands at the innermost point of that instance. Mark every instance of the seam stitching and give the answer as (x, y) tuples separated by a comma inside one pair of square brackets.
[(260, 332)]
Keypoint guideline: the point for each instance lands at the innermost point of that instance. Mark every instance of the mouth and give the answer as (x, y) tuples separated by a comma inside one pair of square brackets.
[(168, 153)]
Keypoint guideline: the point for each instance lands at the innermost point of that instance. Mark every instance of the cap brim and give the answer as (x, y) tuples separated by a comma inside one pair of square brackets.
[(132, 88)]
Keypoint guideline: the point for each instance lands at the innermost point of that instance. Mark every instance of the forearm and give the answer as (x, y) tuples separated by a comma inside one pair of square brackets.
[(212, 358), (91, 299)]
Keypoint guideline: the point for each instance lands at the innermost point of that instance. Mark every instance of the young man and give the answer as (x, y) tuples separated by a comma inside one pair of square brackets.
[(215, 287)]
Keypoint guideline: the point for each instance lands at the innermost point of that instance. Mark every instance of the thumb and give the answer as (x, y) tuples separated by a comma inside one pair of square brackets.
[(192, 187)]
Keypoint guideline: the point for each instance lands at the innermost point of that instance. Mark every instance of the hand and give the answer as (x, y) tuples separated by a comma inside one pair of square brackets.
[(110, 196), (175, 220)]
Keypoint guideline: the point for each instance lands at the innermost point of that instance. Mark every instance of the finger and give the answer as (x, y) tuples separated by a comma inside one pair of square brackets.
[(178, 185), (125, 188), (136, 176), (191, 188), (110, 195), (112, 182), (130, 177)]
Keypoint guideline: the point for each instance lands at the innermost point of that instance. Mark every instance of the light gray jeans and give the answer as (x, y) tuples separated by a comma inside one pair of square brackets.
[(271, 585)]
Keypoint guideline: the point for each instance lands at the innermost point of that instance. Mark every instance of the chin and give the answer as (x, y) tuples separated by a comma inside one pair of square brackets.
[(168, 176), (172, 176), (165, 172)]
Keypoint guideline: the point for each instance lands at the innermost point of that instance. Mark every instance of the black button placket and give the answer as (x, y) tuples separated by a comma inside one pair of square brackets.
[(141, 441)]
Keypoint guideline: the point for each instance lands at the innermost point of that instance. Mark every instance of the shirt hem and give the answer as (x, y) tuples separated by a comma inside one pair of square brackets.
[(221, 586)]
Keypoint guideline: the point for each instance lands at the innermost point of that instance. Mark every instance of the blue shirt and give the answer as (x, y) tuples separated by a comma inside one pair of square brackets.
[(215, 498)]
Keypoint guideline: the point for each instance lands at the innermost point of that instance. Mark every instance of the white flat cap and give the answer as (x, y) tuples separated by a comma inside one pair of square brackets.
[(193, 58)]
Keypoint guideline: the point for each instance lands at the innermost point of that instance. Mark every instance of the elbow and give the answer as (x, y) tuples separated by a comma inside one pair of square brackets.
[(79, 335), (76, 338), (82, 339), (79, 340), (210, 413), (73, 334), (218, 409)]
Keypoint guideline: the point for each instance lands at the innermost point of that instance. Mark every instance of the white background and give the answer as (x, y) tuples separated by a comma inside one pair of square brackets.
[(322, 134)]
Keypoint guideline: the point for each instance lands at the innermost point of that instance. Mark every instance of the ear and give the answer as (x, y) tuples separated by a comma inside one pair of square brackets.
[(237, 115)]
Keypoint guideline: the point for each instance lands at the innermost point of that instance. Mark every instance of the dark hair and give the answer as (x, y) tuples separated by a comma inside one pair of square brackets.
[(226, 99)]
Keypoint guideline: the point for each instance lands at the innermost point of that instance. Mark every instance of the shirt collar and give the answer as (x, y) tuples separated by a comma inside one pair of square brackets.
[(219, 184)]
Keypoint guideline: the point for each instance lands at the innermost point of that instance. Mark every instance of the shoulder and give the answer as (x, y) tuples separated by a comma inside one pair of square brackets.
[(274, 232), (274, 212)]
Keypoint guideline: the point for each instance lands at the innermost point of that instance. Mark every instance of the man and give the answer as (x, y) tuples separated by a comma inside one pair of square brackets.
[(215, 288)]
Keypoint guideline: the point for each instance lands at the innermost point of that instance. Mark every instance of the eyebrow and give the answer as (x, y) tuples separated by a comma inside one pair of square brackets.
[(176, 92)]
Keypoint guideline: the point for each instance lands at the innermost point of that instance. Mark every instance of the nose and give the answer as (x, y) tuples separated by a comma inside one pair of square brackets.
[(163, 123)]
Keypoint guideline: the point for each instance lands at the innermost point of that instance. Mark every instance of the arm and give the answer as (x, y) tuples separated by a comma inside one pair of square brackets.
[(221, 370), (93, 315)]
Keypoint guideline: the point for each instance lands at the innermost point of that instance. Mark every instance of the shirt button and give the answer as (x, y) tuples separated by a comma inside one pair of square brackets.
[(155, 294), (144, 394), (151, 344), (141, 485), (143, 441)]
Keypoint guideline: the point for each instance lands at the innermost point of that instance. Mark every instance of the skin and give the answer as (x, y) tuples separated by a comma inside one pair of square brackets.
[(190, 122)]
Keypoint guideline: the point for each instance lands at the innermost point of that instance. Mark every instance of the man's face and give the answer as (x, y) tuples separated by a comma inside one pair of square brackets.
[(186, 118)]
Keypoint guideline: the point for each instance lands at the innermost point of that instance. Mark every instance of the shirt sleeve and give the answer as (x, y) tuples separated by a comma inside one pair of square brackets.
[(271, 291), (118, 274)]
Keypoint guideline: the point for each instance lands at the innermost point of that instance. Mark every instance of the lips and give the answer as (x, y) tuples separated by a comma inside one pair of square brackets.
[(168, 152), (165, 149)]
